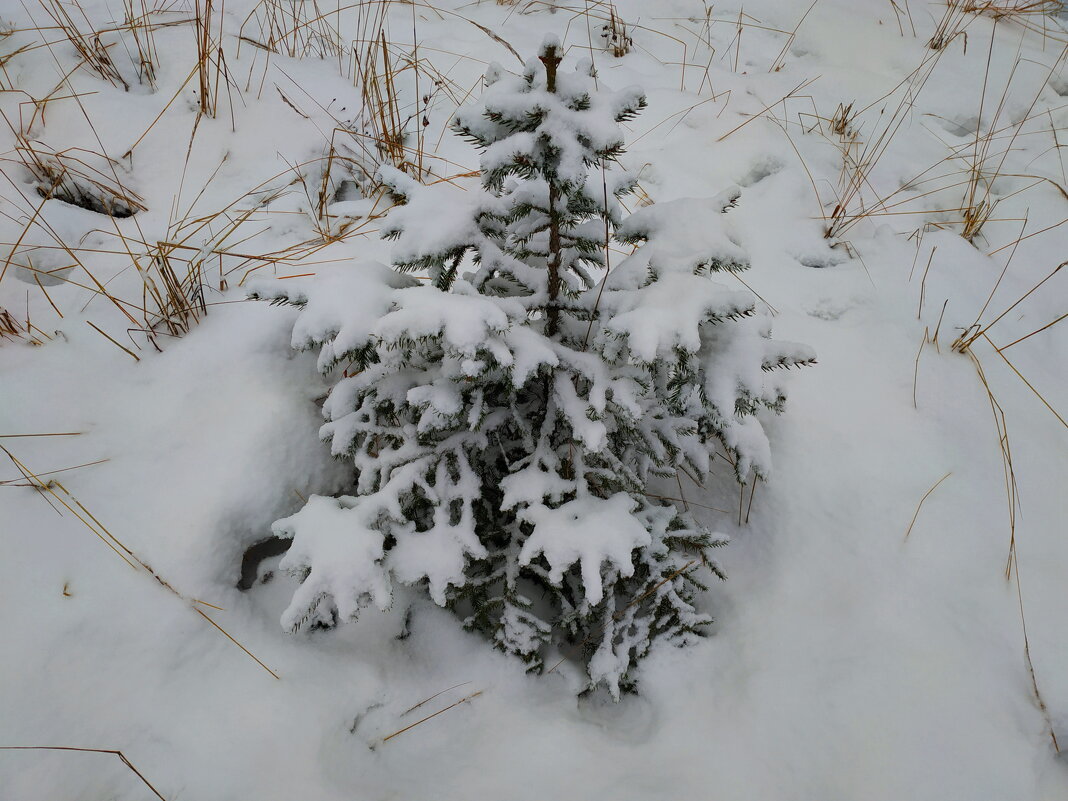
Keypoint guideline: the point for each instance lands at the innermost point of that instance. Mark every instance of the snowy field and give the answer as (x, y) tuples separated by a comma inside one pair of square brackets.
[(893, 624)]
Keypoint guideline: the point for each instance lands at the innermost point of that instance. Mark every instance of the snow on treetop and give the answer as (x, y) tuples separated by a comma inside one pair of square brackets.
[(576, 124), (550, 43)]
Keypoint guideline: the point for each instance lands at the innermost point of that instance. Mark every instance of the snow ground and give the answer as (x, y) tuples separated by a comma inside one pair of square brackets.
[(846, 663)]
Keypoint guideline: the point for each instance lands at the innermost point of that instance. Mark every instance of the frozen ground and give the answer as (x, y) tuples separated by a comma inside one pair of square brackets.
[(847, 662)]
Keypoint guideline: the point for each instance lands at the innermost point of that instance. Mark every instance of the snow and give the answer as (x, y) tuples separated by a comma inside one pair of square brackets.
[(671, 312), (438, 555), (465, 321), (846, 661), (434, 219), (688, 235), (341, 305), (340, 555), (587, 530)]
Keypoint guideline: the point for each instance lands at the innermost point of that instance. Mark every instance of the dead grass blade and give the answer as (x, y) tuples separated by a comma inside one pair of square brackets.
[(792, 93), (920, 504), (12, 482), (463, 700), (122, 758), (1039, 700), (975, 331), (431, 698), (113, 341), (49, 434), (1012, 493), (1020, 375)]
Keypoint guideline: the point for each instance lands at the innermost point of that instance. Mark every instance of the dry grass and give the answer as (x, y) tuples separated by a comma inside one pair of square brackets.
[(920, 504), (615, 35), (175, 286), (972, 167), (861, 157), (86, 40), (137, 22), (951, 26), (903, 14), (296, 30), (174, 269), (1012, 9), (960, 14), (97, 46), (15, 330), (842, 123), (1012, 567), (172, 298), (986, 155), (376, 75), (964, 344), (398, 85), (212, 73)]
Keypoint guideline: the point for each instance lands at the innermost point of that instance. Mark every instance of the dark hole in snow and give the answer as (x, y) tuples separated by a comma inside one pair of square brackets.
[(112, 207), (348, 189), (254, 556), (406, 628)]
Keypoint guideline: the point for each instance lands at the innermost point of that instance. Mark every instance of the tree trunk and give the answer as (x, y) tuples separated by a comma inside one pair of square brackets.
[(551, 59)]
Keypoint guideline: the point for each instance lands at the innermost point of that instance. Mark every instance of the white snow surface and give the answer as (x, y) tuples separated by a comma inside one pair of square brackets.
[(848, 660)]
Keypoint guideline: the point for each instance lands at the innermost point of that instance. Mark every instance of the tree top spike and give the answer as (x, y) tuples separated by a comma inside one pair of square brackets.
[(549, 54), (550, 47)]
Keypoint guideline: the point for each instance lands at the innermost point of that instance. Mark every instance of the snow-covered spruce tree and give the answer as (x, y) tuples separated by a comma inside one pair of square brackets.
[(505, 422)]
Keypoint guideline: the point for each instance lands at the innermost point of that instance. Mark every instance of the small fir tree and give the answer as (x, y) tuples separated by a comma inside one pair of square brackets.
[(505, 422)]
